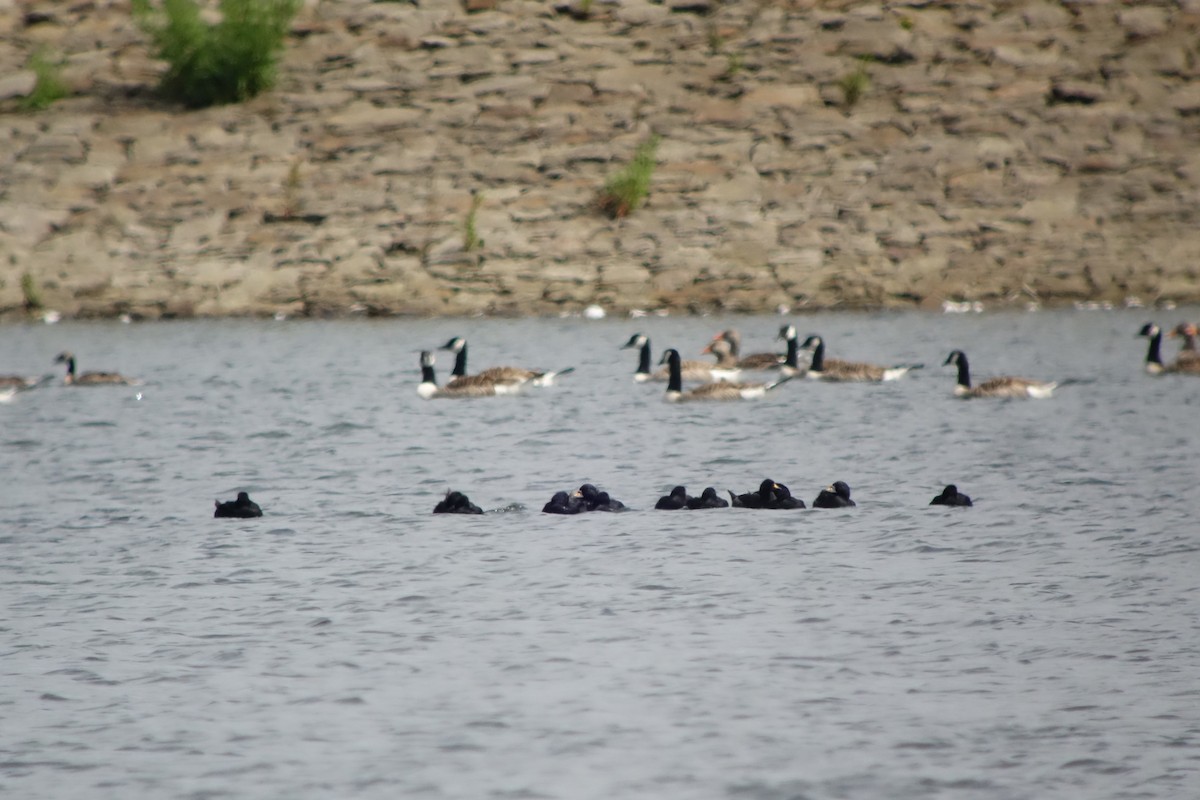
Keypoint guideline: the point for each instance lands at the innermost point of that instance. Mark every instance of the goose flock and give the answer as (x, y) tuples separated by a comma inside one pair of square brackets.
[(723, 379), (720, 379)]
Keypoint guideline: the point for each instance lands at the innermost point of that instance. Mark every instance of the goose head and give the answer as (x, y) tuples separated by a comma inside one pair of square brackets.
[(637, 340)]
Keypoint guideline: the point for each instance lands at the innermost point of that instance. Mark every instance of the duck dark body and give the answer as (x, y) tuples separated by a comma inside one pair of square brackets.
[(707, 499), (836, 495), (456, 503), (951, 496), (595, 500), (769, 495), (241, 508), (677, 499), (563, 503)]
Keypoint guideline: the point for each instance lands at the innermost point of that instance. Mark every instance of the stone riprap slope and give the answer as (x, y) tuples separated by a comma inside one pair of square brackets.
[(1009, 152)]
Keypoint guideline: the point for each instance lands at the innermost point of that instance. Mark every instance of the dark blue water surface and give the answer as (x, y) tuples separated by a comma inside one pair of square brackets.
[(1045, 643)]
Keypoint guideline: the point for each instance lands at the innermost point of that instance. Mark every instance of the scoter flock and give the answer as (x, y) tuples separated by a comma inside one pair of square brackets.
[(719, 380)]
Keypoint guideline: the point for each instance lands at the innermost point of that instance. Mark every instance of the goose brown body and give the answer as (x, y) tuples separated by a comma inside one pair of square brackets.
[(1004, 386), (73, 378), (501, 376), (837, 370), (723, 390), (429, 390)]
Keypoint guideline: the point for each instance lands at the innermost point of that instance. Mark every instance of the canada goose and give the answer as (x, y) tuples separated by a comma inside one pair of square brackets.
[(951, 496), (456, 503), (19, 382), (500, 375), (1154, 362), (769, 495), (90, 378), (751, 361), (429, 390), (711, 391), (595, 500), (689, 370), (563, 503), (677, 499), (835, 495), (242, 508), (995, 387), (707, 499), (832, 369), (791, 361)]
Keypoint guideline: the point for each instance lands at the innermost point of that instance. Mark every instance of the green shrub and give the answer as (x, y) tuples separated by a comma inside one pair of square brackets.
[(854, 84), (626, 190), (49, 86), (210, 64)]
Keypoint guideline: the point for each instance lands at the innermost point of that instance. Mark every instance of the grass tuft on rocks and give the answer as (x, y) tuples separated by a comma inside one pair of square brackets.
[(214, 63), (625, 191), (855, 84), (29, 292), (471, 238), (49, 86)]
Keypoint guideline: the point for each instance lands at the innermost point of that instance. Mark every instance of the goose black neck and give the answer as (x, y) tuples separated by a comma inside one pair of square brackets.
[(71, 366), (644, 358), (1153, 355), (818, 359), (964, 372), (460, 362), (675, 370), (427, 375), (793, 353)]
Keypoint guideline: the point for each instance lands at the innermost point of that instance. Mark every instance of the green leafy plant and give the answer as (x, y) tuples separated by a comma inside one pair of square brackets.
[(471, 240), (226, 62), (49, 86), (29, 290), (625, 191), (906, 23), (855, 84)]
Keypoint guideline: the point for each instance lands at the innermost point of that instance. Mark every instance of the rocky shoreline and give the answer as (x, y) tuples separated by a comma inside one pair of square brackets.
[(1006, 153)]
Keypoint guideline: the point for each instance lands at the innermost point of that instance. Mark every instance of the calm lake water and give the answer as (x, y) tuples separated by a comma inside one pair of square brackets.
[(1045, 643)]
